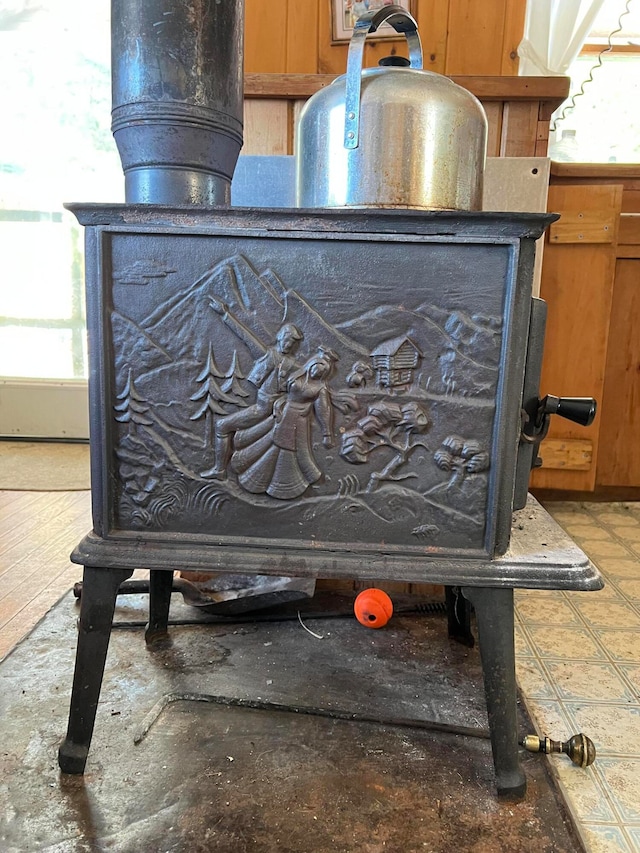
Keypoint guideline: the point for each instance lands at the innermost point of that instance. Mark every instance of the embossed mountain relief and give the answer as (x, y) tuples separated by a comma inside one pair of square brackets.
[(243, 405)]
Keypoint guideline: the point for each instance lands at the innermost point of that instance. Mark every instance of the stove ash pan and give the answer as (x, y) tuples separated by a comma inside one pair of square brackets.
[(318, 393)]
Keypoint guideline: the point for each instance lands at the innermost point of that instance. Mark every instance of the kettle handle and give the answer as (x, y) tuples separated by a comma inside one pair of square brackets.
[(402, 22)]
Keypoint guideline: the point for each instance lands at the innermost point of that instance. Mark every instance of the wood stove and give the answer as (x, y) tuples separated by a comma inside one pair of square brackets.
[(333, 394), (309, 393)]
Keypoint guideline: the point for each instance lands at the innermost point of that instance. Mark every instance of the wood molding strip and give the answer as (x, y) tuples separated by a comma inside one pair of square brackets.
[(296, 86)]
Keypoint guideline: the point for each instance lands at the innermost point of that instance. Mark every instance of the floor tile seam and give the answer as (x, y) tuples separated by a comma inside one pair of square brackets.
[(613, 801), (605, 703), (590, 625), (628, 599), (616, 583), (593, 629), (623, 598), (626, 680), (561, 712), (611, 510), (612, 581), (525, 620), (609, 591), (611, 796), (549, 683), (602, 753), (583, 623), (613, 630), (553, 681), (605, 573), (595, 522), (631, 846), (590, 823), (617, 539), (609, 655), (624, 543), (542, 656), (565, 599), (617, 668), (570, 722), (591, 701), (634, 845), (579, 815), (587, 507), (573, 803)]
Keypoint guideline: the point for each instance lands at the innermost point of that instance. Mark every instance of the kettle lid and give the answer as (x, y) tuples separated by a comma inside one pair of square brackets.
[(394, 61)]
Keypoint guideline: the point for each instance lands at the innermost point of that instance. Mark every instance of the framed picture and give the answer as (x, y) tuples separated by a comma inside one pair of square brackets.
[(345, 12)]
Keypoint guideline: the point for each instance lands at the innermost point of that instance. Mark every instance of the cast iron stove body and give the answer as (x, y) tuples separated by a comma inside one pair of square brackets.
[(311, 393)]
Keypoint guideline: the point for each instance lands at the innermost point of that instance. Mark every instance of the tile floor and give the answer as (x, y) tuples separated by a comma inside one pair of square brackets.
[(578, 664)]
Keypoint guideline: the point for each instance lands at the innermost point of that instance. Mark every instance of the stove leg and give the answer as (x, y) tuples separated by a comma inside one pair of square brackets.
[(494, 617), (99, 590), (160, 584)]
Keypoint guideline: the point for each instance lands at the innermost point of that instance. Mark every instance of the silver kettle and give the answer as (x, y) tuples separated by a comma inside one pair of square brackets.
[(391, 136)]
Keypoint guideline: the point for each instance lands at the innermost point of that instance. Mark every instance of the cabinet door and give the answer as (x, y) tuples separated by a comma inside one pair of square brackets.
[(577, 284), (619, 457)]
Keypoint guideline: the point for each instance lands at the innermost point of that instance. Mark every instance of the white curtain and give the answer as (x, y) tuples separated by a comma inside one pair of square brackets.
[(554, 33)]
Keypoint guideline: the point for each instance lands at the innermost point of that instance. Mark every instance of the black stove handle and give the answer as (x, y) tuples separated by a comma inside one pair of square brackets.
[(580, 410)]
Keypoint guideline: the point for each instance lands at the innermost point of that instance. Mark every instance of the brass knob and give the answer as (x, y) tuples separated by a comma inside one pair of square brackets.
[(579, 748)]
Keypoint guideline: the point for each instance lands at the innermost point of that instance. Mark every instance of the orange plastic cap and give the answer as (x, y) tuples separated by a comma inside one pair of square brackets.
[(373, 608)]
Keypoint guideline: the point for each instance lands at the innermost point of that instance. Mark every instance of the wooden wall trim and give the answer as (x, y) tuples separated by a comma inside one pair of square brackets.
[(295, 86), (612, 172)]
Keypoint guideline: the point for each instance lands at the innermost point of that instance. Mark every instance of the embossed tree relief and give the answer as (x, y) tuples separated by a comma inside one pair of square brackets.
[(133, 408), (212, 393), (386, 425), (460, 457)]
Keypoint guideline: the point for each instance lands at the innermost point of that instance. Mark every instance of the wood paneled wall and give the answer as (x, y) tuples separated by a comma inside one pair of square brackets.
[(458, 37)]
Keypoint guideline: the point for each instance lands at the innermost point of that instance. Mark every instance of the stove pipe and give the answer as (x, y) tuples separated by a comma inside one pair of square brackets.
[(177, 89)]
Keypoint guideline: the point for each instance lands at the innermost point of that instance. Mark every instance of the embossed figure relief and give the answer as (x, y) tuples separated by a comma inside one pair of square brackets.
[(240, 399)]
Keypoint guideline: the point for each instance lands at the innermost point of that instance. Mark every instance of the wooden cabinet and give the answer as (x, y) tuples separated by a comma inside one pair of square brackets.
[(591, 282), (577, 285), (619, 459)]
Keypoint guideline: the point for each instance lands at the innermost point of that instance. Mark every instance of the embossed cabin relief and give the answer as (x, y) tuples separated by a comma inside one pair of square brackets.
[(248, 398)]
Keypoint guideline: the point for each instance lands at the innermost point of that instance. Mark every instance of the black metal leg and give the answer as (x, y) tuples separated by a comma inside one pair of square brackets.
[(160, 584), (494, 616), (100, 587)]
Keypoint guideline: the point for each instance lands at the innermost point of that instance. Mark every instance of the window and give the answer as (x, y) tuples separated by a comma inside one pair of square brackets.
[(55, 146), (603, 111)]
